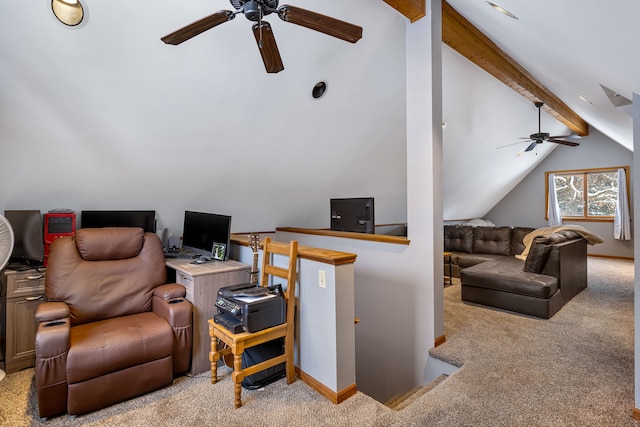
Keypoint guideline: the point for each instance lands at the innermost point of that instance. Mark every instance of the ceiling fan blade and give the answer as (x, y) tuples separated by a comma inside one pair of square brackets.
[(198, 27), (531, 146), (563, 142), (509, 145), (268, 47), (324, 24), (564, 136)]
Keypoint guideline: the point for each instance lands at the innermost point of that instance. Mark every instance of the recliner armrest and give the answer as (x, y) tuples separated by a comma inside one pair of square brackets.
[(51, 348), (170, 304), (51, 311), (170, 291)]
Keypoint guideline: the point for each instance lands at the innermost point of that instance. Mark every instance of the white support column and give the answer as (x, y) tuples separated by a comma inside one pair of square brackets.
[(636, 247), (424, 155)]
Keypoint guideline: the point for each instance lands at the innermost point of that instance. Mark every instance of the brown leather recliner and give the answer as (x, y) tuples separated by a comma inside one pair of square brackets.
[(112, 328)]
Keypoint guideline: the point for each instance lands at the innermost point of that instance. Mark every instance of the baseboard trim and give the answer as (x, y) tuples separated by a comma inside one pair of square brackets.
[(626, 258), (636, 414), (440, 340), (335, 397)]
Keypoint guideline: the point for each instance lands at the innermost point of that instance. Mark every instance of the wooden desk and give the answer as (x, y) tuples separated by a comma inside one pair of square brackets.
[(202, 282)]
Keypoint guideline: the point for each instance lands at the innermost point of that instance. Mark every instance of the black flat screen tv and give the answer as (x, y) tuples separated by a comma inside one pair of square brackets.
[(353, 214), (28, 233), (99, 219), (202, 230)]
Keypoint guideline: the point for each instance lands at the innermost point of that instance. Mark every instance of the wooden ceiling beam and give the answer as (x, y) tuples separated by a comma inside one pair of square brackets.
[(412, 9), (470, 42)]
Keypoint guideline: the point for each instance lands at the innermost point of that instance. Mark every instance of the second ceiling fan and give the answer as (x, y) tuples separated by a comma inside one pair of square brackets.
[(256, 10), (540, 137)]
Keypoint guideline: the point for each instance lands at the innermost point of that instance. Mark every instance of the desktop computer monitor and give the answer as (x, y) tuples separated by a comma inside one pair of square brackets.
[(202, 230)]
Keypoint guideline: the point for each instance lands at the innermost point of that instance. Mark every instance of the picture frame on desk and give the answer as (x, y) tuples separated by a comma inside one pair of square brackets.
[(218, 251)]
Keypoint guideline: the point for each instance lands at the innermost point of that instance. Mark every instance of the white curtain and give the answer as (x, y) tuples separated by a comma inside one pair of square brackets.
[(555, 217), (621, 221)]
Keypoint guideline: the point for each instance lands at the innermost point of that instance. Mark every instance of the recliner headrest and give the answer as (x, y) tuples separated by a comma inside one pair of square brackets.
[(112, 243)]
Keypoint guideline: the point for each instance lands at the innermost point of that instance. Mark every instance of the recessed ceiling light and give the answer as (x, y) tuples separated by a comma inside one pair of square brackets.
[(502, 10), (582, 98)]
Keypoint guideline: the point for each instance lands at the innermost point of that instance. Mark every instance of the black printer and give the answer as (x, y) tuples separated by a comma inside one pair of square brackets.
[(250, 308)]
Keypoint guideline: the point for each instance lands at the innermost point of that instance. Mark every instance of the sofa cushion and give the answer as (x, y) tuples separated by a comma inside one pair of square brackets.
[(517, 236), (465, 260), (538, 254), (508, 275), (458, 238), (492, 240)]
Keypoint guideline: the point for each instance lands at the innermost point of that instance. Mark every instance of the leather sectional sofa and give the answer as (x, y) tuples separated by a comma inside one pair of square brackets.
[(485, 258)]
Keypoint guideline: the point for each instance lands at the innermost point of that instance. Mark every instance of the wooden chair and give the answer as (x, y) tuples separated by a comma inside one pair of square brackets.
[(237, 343)]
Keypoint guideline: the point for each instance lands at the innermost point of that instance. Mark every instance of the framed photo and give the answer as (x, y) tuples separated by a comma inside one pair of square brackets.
[(218, 251)]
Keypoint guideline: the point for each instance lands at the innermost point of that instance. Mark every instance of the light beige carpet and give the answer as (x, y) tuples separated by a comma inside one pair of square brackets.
[(575, 369)]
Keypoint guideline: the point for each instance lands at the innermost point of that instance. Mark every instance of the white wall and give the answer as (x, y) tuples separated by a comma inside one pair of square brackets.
[(398, 288), (109, 117), (525, 204)]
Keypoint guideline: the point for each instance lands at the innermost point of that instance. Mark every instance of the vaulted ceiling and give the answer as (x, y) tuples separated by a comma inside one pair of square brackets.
[(574, 49), (215, 85), (574, 56)]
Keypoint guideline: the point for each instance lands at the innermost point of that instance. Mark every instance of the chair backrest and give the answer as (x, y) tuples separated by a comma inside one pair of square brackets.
[(105, 272), (289, 250)]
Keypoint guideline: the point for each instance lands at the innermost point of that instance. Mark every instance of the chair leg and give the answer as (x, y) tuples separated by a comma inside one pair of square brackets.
[(237, 379), (214, 356), (290, 368)]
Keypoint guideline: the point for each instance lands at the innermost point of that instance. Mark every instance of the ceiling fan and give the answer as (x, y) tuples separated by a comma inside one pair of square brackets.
[(255, 10), (540, 137)]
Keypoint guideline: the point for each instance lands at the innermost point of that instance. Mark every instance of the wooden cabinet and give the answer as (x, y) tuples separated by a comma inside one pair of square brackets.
[(202, 282), (25, 291)]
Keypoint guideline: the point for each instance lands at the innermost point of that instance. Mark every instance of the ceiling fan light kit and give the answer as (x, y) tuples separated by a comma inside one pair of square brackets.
[(256, 10)]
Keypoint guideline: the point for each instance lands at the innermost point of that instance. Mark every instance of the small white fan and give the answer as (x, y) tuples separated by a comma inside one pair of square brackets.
[(6, 247)]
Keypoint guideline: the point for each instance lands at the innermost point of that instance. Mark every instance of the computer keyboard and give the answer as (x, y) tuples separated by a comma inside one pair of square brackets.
[(182, 254)]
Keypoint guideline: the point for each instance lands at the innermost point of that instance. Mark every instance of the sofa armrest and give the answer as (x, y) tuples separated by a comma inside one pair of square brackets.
[(568, 262), (51, 348), (170, 304)]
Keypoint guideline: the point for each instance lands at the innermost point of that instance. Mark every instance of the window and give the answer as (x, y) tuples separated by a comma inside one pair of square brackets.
[(586, 195)]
